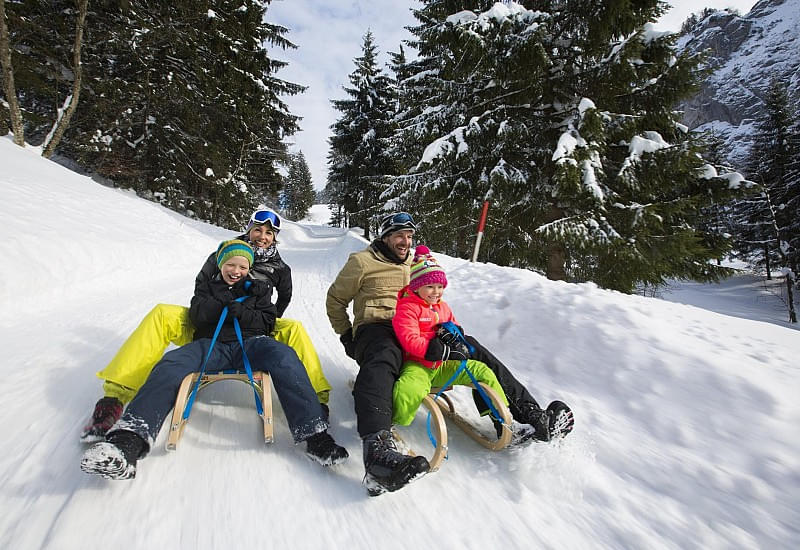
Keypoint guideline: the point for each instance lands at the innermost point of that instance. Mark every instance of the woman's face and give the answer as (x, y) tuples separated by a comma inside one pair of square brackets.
[(261, 236)]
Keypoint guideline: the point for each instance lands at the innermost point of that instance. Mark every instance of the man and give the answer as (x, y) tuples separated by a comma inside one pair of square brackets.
[(371, 280)]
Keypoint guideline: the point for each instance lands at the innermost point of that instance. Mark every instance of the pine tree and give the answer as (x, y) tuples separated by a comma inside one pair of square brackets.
[(358, 159), (561, 114), (768, 213), (298, 192), (182, 102), (769, 227)]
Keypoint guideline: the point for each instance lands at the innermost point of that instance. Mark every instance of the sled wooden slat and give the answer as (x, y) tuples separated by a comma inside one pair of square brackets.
[(447, 407), (263, 386), (439, 431)]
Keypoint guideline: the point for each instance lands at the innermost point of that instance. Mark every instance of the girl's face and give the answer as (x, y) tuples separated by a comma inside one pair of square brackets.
[(235, 269), (261, 236), (431, 293)]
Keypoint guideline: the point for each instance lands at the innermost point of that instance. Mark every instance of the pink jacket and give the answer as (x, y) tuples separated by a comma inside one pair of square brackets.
[(415, 323)]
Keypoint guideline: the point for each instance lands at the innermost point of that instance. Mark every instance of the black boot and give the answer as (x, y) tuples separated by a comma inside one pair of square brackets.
[(386, 468), (531, 413), (106, 413), (115, 458), (322, 448), (555, 422)]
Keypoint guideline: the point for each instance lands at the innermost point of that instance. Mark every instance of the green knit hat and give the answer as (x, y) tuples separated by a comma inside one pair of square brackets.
[(234, 247)]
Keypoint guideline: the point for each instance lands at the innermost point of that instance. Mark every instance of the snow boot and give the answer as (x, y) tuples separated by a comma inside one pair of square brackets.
[(388, 470), (106, 413), (322, 448), (539, 420), (115, 458), (560, 419)]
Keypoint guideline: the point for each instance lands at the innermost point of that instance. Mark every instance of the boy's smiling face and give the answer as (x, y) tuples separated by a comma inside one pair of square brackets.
[(235, 269)]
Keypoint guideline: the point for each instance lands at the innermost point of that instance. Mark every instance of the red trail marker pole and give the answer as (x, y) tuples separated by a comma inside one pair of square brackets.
[(481, 226)]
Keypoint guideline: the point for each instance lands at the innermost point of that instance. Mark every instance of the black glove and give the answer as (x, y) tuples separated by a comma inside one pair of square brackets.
[(259, 288), (458, 352), (235, 309), (437, 351), (446, 337), (349, 345), (224, 295)]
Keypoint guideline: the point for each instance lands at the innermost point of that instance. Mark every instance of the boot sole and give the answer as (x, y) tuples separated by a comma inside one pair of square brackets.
[(417, 468), (328, 461), (106, 460)]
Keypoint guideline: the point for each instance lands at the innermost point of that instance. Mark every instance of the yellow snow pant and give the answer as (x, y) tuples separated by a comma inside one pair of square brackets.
[(416, 381), (166, 324)]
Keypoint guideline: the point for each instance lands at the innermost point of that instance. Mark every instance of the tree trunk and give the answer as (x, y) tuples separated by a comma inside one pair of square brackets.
[(66, 112), (8, 79), (790, 296), (766, 262), (556, 253)]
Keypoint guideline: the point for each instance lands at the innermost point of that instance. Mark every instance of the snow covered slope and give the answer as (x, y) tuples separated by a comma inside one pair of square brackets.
[(686, 420)]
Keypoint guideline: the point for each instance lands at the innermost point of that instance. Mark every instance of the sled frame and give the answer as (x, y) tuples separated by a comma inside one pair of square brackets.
[(449, 410), (262, 384)]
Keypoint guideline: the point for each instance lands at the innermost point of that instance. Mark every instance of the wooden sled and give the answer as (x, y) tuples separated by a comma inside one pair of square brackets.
[(263, 386), (444, 407)]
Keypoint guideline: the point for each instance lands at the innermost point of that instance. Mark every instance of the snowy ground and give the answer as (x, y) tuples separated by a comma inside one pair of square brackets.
[(686, 420)]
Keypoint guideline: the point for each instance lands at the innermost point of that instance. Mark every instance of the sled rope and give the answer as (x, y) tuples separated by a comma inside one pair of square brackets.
[(187, 410), (453, 328)]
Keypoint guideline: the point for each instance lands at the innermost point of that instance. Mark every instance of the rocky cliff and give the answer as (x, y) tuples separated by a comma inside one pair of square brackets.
[(746, 54)]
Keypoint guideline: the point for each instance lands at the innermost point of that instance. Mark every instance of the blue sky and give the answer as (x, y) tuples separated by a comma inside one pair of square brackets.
[(329, 37)]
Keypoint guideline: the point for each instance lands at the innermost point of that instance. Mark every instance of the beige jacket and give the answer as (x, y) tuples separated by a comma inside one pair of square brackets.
[(371, 282)]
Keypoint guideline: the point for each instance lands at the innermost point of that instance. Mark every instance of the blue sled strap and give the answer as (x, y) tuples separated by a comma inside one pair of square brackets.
[(247, 368), (453, 328), (187, 410)]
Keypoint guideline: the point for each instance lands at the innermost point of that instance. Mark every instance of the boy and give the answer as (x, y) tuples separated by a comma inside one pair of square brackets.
[(134, 434), (168, 323)]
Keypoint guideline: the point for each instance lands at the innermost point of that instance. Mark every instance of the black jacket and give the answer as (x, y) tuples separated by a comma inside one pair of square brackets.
[(210, 297), (275, 271)]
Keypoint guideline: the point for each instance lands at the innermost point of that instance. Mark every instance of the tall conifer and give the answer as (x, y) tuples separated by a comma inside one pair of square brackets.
[(560, 113)]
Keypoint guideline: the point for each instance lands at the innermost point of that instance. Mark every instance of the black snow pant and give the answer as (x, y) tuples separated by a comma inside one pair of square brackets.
[(380, 359), (519, 399)]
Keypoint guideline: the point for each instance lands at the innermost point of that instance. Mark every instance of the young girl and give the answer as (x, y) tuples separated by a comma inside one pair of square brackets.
[(134, 434), (428, 361)]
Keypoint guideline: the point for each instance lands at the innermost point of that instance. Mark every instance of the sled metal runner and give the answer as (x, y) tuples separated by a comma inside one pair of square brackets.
[(443, 406), (262, 385)]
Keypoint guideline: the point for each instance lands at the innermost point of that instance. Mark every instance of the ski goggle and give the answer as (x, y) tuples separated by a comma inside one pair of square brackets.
[(396, 222), (261, 217)]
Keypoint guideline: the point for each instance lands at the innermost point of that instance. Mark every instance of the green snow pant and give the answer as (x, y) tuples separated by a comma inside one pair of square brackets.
[(416, 381)]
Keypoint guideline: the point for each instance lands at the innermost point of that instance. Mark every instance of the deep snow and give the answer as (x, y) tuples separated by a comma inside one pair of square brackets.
[(686, 420)]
